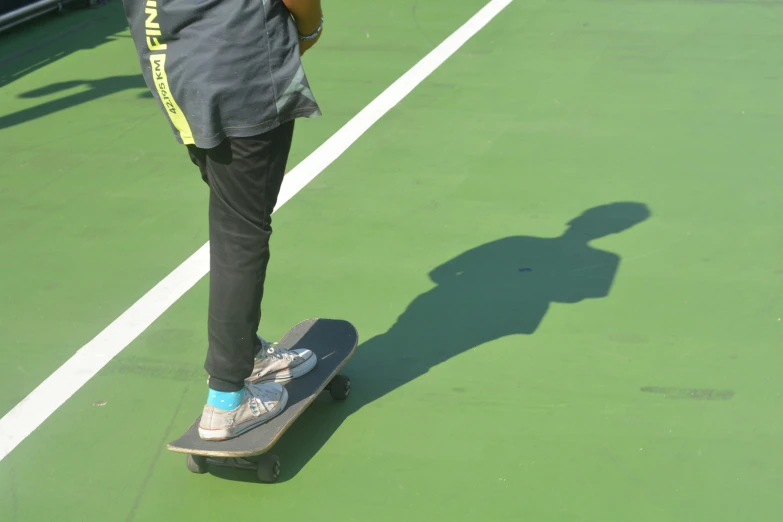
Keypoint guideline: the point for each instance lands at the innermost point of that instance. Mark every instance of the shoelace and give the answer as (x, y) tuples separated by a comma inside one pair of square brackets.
[(257, 400), (279, 353)]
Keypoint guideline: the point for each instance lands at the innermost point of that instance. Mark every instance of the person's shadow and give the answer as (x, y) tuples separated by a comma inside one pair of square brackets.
[(497, 289)]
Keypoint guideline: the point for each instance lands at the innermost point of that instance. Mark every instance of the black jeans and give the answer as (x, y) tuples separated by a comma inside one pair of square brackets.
[(244, 177)]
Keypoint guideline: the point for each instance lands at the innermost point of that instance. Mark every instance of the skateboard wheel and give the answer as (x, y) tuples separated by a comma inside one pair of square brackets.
[(268, 468), (340, 387), (197, 464)]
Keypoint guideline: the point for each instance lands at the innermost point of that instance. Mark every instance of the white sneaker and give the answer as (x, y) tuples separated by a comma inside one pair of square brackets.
[(274, 364), (261, 402)]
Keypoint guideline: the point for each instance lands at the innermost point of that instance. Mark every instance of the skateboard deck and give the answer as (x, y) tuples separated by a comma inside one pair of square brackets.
[(333, 342)]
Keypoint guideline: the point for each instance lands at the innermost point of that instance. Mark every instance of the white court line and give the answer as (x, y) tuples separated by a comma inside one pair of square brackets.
[(34, 409)]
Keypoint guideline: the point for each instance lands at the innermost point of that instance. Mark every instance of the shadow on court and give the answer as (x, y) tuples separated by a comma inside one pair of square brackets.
[(497, 289), (32, 46), (95, 89)]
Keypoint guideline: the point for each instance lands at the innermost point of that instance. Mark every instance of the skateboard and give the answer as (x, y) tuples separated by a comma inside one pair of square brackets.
[(333, 342)]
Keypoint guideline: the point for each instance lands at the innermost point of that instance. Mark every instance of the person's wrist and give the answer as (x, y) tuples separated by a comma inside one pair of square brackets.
[(310, 27)]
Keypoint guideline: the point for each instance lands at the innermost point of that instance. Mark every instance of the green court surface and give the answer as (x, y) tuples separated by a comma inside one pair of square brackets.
[(562, 252)]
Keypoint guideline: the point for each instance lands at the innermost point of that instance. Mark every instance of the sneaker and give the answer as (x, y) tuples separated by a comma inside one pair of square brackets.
[(261, 403), (273, 364)]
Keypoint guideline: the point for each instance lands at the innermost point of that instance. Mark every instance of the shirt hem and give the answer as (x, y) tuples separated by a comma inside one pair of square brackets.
[(211, 142)]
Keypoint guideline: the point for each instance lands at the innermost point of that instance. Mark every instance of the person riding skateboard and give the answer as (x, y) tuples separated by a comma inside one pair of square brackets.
[(229, 76)]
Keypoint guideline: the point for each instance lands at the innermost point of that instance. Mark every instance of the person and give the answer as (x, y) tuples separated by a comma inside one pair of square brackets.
[(229, 76)]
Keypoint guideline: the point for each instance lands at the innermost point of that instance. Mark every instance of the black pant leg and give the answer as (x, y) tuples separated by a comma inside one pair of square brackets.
[(244, 176)]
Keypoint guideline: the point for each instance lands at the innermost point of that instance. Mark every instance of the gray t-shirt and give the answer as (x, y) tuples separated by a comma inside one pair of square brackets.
[(221, 68)]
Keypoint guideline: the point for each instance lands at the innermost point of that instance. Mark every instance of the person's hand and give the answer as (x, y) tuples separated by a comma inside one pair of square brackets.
[(308, 28), (304, 45), (308, 16)]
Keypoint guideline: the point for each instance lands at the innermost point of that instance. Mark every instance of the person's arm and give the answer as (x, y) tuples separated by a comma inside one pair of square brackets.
[(308, 15)]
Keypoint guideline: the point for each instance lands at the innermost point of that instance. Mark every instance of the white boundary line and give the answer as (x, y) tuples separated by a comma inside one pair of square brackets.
[(34, 409)]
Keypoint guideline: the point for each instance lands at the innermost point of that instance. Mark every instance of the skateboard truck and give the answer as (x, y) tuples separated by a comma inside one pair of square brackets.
[(339, 387)]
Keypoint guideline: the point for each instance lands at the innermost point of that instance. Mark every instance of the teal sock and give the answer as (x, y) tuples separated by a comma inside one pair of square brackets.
[(225, 400)]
